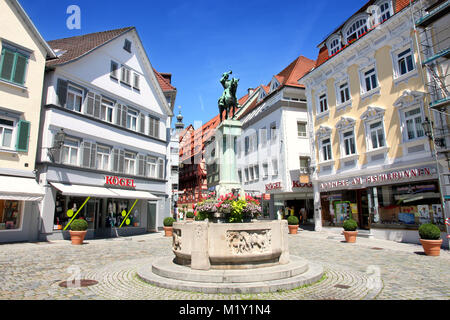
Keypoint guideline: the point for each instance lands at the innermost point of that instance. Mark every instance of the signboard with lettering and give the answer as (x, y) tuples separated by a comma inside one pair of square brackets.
[(119, 182), (378, 178), (298, 184), (273, 186)]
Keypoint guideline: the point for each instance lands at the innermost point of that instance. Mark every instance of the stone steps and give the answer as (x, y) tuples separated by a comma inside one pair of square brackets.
[(271, 279)]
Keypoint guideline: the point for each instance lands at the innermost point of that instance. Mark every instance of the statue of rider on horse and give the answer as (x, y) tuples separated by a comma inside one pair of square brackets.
[(228, 101)]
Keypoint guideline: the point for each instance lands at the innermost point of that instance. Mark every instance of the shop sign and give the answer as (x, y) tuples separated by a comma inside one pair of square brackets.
[(273, 186), (119, 182), (266, 196), (375, 179), (298, 184)]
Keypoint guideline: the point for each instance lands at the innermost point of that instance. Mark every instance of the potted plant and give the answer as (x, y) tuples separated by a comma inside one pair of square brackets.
[(350, 232), (190, 216), (293, 224), (168, 226), (430, 237), (78, 231)]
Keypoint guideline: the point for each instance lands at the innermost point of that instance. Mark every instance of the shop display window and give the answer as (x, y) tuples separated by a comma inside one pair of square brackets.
[(117, 211), (10, 215)]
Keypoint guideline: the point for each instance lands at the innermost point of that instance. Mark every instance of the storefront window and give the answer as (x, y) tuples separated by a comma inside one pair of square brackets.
[(10, 215), (117, 211)]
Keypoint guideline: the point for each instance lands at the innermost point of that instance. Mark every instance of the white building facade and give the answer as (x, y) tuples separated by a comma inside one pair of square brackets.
[(105, 133)]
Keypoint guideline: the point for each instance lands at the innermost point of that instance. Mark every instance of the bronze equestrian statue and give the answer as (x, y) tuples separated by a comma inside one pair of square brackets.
[(228, 101)]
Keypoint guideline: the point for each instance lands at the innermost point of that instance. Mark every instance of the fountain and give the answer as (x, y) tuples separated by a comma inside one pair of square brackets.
[(219, 257)]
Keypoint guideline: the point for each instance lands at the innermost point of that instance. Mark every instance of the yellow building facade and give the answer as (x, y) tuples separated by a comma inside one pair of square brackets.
[(366, 102), (22, 65)]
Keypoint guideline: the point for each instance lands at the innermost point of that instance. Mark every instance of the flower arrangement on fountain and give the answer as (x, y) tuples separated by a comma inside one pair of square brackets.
[(230, 207)]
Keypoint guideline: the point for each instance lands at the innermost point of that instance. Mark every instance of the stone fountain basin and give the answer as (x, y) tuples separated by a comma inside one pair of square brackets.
[(205, 245)]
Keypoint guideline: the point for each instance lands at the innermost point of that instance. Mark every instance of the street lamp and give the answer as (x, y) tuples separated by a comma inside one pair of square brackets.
[(58, 143), (428, 129)]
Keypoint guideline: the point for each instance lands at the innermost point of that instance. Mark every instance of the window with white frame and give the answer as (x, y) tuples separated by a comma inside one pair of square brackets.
[(74, 98), (405, 62), (275, 167), (256, 170), (335, 46), (103, 158), (385, 11), (343, 93), (247, 145), (370, 81), (107, 109), (136, 81), (247, 177), (326, 150), (240, 176), (151, 167), (114, 70), (132, 118), (323, 103), (252, 173), (376, 135), (6, 132), (304, 165), (413, 121), (70, 151), (349, 143), (273, 132), (265, 170), (356, 30), (301, 129), (263, 138), (130, 163)]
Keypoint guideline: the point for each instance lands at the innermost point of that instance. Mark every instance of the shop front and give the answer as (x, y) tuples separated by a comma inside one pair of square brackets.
[(19, 212), (118, 206), (390, 205)]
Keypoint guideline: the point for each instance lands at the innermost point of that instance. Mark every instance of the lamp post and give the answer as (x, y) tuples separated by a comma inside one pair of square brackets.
[(428, 129)]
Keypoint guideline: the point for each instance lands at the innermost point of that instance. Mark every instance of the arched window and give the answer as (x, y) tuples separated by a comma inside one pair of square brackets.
[(357, 29), (385, 11), (335, 46)]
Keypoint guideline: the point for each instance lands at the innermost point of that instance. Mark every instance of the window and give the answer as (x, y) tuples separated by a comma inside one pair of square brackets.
[(323, 104), (304, 164), (349, 143), (273, 132), (301, 129), (103, 156), (370, 80), (127, 45), (252, 174), (413, 119), (265, 170), (130, 163), (114, 70), (10, 214), (151, 166), (154, 127), (256, 169), (275, 167), (106, 112), (161, 168), (70, 152), (74, 98), (240, 176), (335, 46), (136, 81), (246, 175), (247, 145), (326, 150), (405, 62), (344, 93), (376, 132), (356, 30), (385, 12), (13, 65), (263, 138), (132, 117), (126, 74), (6, 132)]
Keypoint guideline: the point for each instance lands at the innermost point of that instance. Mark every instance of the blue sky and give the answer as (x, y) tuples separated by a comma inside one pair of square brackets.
[(197, 41)]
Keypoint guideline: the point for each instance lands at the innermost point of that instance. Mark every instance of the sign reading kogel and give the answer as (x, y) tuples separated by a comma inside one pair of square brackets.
[(120, 182)]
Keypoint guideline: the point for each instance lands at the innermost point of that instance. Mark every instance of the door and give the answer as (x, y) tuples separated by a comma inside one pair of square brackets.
[(151, 217), (363, 208)]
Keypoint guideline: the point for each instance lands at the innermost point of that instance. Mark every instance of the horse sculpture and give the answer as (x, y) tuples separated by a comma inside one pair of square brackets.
[(228, 101)]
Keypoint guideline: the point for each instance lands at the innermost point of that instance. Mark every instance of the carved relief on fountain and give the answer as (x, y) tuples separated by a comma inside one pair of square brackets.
[(176, 244), (249, 242)]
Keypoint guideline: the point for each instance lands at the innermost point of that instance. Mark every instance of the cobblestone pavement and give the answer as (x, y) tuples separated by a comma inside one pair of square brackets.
[(369, 269)]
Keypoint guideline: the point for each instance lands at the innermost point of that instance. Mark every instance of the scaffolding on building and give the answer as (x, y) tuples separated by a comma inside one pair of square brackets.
[(433, 40)]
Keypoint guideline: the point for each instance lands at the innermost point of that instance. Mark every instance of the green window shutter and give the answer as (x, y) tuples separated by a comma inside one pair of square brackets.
[(61, 91), (7, 64), (23, 136), (21, 67)]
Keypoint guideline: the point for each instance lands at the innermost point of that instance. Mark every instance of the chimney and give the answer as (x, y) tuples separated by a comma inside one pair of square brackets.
[(250, 91)]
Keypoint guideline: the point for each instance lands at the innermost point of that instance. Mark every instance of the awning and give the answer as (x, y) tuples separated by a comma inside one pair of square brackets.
[(20, 189), (84, 191), (131, 194), (99, 192)]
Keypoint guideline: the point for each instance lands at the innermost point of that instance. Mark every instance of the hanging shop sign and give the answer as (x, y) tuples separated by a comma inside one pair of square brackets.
[(119, 182), (379, 178)]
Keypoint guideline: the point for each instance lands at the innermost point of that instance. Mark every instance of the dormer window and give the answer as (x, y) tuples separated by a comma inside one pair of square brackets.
[(385, 11), (127, 45), (356, 30), (335, 46)]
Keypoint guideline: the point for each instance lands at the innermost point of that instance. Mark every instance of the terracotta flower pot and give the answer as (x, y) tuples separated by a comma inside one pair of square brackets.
[(77, 237), (293, 229), (168, 231), (431, 247), (350, 236)]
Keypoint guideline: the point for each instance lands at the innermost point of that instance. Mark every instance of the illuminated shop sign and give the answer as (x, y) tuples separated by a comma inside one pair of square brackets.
[(119, 182), (379, 178)]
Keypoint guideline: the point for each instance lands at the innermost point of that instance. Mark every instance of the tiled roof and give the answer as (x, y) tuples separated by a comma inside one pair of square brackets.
[(323, 52), (164, 82), (76, 47)]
